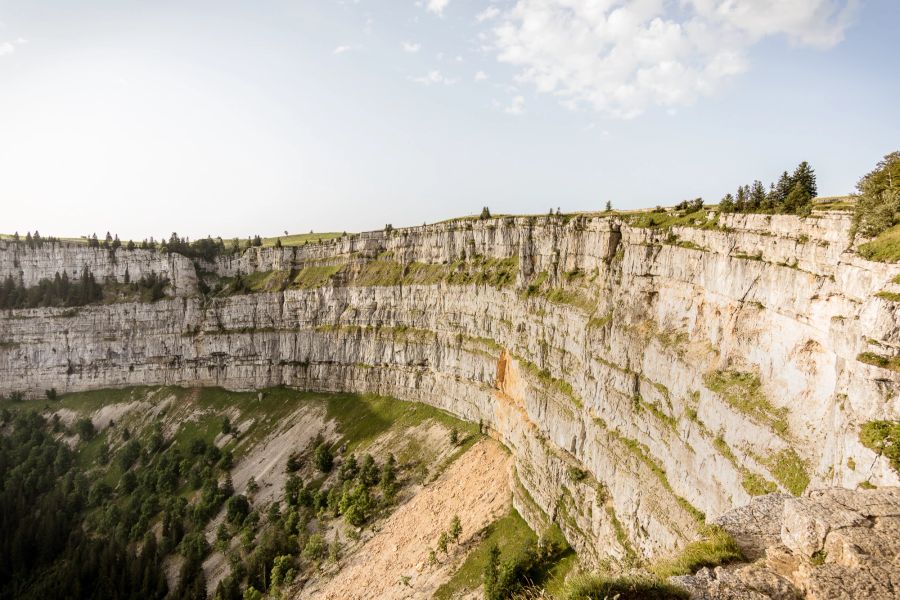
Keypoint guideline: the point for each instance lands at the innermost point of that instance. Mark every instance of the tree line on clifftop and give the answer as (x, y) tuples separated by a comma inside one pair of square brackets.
[(792, 194)]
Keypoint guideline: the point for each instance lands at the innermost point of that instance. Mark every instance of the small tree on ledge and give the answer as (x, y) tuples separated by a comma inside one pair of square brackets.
[(485, 213)]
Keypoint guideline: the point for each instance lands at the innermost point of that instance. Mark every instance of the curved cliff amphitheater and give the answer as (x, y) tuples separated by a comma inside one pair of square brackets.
[(648, 393)]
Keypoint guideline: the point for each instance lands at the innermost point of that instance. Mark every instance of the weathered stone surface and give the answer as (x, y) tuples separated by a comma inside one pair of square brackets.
[(757, 525), (830, 551), (745, 582), (31, 264), (617, 392)]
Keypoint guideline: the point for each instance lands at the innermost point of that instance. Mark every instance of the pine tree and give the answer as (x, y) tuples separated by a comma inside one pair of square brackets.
[(757, 196), (455, 529), (805, 176), (726, 205), (740, 200), (491, 574), (782, 189)]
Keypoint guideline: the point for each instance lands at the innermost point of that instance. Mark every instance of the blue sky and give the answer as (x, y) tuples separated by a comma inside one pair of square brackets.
[(243, 117)]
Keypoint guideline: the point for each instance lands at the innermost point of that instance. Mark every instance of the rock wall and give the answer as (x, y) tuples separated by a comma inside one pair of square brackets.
[(30, 264), (643, 378)]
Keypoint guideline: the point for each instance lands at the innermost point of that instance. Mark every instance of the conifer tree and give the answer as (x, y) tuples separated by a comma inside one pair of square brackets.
[(727, 204), (806, 178), (757, 196)]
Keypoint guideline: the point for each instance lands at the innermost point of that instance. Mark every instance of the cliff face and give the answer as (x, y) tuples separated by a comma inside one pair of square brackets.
[(639, 376), (29, 265)]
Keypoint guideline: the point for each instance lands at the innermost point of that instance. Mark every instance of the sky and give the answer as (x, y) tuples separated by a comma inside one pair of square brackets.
[(236, 118)]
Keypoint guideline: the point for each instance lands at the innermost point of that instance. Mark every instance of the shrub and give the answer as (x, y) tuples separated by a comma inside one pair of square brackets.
[(883, 437), (315, 547), (194, 546), (237, 508), (368, 472), (294, 463), (324, 458), (85, 429)]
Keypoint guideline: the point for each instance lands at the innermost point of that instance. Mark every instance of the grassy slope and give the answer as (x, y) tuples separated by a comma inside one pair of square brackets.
[(884, 248)]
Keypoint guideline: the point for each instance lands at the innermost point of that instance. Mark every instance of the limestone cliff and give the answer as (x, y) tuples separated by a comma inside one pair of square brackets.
[(643, 378)]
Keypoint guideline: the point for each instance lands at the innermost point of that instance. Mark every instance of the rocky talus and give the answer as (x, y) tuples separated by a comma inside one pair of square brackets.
[(646, 380), (827, 545)]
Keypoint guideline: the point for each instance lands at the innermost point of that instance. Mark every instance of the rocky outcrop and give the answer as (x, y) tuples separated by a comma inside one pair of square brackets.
[(827, 545), (643, 378), (29, 264)]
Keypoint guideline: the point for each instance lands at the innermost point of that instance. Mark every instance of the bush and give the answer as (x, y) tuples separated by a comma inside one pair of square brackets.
[(237, 508), (194, 546), (85, 429), (315, 547), (883, 437), (129, 454), (324, 458)]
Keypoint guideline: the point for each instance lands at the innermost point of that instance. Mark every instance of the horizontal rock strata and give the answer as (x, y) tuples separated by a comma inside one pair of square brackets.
[(644, 379)]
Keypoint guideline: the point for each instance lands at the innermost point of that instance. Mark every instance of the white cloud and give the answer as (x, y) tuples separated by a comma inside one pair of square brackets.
[(437, 6), (411, 47), (516, 107), (480, 76), (621, 57), (342, 49), (434, 77), (7, 48), (487, 14)]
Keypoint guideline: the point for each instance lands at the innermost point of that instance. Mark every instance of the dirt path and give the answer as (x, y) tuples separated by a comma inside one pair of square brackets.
[(394, 562)]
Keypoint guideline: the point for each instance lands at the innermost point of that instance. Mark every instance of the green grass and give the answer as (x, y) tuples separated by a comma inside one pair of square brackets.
[(757, 485), (83, 403), (571, 298), (603, 587), (884, 248), (362, 418), (891, 363), (666, 220), (379, 272), (642, 452), (425, 273), (743, 391), (716, 548), (599, 322), (495, 272), (548, 381), (890, 296), (789, 470), (511, 535), (536, 283), (312, 276), (883, 437), (631, 556), (298, 239)]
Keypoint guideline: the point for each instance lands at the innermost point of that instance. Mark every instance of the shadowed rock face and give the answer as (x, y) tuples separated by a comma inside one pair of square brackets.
[(640, 377), (829, 544)]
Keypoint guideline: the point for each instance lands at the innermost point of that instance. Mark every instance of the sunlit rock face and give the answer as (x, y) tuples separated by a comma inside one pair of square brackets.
[(642, 378)]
